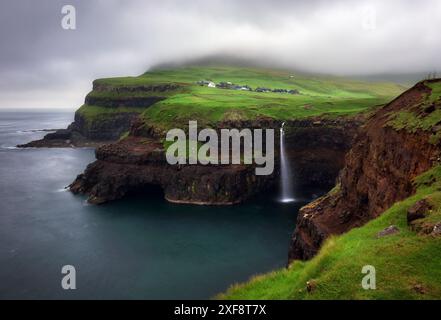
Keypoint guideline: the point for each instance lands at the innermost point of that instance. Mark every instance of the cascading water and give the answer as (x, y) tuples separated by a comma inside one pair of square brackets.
[(287, 191)]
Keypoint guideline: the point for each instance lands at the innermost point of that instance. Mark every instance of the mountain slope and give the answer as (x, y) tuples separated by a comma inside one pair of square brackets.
[(385, 157), (318, 95), (408, 263), (396, 157), (166, 98)]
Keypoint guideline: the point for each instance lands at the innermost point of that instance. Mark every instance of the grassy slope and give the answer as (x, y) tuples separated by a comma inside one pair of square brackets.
[(403, 261), (319, 95), (417, 119), (93, 113)]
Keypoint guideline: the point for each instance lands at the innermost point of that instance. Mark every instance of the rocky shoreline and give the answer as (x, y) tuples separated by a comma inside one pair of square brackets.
[(135, 163), (82, 134), (139, 160)]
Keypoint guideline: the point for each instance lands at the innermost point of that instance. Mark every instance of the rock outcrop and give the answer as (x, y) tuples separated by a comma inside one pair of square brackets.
[(84, 133), (135, 163), (378, 171), (317, 151), (119, 106)]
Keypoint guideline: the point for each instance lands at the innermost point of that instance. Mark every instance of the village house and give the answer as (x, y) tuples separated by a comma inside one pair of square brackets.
[(207, 83), (231, 86)]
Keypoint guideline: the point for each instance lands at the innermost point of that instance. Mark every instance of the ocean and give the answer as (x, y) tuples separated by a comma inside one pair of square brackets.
[(141, 247)]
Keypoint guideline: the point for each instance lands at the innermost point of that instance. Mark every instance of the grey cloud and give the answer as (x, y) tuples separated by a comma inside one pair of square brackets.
[(116, 37)]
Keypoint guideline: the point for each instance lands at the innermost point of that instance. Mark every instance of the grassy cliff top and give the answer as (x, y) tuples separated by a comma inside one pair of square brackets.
[(423, 116), (319, 95), (260, 77), (407, 263)]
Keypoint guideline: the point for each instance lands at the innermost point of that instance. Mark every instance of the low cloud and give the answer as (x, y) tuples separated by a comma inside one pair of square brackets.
[(43, 65)]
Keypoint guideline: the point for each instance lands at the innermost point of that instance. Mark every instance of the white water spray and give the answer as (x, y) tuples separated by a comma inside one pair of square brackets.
[(285, 172)]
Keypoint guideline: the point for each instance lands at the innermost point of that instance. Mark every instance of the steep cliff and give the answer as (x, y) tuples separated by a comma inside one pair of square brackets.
[(399, 142), (320, 121), (317, 150), (166, 98), (136, 162), (107, 114), (403, 246)]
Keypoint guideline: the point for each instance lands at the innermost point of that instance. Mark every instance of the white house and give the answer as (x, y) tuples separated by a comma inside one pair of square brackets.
[(211, 84)]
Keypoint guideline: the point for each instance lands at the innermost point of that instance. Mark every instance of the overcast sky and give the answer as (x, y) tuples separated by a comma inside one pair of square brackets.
[(43, 65)]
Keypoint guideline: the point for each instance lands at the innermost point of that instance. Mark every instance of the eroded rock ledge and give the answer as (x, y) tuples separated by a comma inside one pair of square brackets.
[(378, 172), (316, 148), (82, 133), (118, 107), (137, 162)]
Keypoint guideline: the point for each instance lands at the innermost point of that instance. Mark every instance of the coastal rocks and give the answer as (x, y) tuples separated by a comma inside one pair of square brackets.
[(108, 113), (316, 151), (105, 127), (62, 134), (315, 147), (57, 139), (378, 171), (135, 163), (85, 132)]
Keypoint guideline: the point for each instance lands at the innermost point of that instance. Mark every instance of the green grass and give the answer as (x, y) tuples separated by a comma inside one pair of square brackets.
[(417, 118), (402, 261), (436, 91), (412, 123), (325, 96), (210, 105)]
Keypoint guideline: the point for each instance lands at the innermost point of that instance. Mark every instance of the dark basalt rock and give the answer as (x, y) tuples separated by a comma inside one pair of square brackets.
[(153, 88), (133, 102), (62, 134), (82, 133), (134, 163), (108, 128), (139, 160)]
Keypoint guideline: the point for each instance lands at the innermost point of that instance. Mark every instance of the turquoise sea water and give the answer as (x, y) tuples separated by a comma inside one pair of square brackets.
[(137, 248)]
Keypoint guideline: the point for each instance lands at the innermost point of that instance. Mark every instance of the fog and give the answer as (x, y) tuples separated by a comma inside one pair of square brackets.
[(44, 65)]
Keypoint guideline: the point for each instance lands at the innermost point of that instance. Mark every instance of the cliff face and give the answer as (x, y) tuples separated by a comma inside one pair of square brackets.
[(104, 129), (135, 163), (108, 112), (317, 148), (378, 171), (139, 160)]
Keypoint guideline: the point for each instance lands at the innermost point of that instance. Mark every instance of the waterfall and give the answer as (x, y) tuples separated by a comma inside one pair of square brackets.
[(287, 193)]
